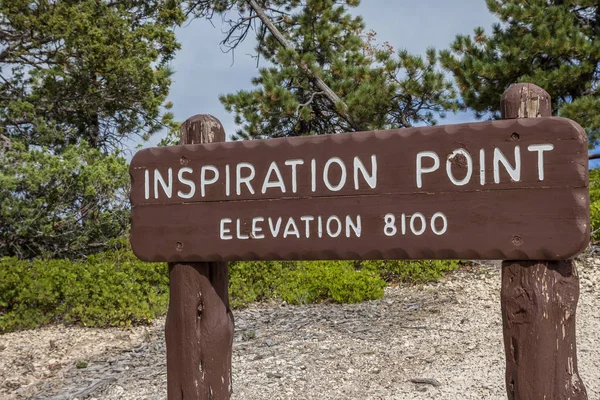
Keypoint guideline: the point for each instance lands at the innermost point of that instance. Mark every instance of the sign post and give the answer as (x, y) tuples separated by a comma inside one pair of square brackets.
[(539, 300), (199, 326)]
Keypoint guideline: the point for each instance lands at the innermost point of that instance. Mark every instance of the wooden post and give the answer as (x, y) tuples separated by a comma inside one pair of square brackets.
[(539, 300), (199, 326)]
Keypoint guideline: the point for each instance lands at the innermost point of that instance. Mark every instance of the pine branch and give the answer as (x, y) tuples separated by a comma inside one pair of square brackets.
[(339, 104), (6, 142)]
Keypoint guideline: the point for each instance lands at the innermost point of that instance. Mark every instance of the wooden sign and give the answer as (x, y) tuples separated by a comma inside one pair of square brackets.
[(511, 189)]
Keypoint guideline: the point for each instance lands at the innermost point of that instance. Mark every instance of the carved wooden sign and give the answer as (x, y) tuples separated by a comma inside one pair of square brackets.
[(511, 189)]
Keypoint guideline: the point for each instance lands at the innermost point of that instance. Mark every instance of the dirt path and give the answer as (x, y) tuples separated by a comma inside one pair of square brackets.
[(436, 341)]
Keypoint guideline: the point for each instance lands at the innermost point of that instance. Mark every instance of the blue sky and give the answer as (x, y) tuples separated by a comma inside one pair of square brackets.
[(203, 71)]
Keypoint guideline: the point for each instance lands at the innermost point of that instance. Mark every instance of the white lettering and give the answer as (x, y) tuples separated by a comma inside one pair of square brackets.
[(356, 227), (187, 182), (540, 148), (147, 184), (203, 181), (239, 230), (257, 229), (390, 225), (339, 226), (449, 162), (444, 223), (167, 188), (421, 170), (313, 175), (227, 180), (370, 179), (413, 218), (294, 164), (342, 181), (244, 179), (288, 231), (275, 229), (278, 184), (307, 219), (514, 172), (224, 230), (482, 167), (319, 226)]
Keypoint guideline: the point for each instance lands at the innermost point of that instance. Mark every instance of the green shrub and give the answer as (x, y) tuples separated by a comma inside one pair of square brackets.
[(595, 204), (112, 288), (115, 289), (315, 281), (414, 272), (302, 282)]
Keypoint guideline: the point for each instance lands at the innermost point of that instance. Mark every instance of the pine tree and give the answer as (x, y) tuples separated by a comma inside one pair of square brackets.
[(554, 44), (92, 70), (325, 73), (77, 78)]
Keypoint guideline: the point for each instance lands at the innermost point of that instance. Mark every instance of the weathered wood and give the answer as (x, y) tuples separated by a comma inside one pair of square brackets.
[(421, 193), (539, 301), (199, 326), (525, 100)]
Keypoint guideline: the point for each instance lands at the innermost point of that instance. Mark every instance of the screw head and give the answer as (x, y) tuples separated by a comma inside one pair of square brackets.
[(517, 240)]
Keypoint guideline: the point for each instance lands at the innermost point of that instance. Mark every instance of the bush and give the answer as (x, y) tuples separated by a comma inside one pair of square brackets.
[(314, 281), (414, 272), (109, 289), (302, 282), (115, 289), (595, 204)]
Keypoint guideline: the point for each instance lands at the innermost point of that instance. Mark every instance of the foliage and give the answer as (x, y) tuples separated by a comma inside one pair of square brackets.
[(302, 282), (61, 205), (85, 70), (413, 272), (112, 288), (595, 203), (77, 78), (552, 43), (379, 88), (315, 281)]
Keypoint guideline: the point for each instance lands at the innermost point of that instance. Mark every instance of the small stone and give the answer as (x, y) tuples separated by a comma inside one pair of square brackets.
[(426, 381)]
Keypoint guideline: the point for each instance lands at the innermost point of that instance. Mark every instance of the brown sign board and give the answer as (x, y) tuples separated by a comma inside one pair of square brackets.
[(510, 189)]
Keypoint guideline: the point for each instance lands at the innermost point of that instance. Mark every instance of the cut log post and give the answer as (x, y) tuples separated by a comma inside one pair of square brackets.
[(199, 326), (539, 301)]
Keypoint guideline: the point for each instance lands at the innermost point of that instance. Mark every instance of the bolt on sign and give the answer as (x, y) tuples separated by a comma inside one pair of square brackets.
[(511, 189)]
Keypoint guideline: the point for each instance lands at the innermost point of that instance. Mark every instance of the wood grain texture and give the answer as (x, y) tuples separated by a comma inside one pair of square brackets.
[(539, 298), (199, 326), (527, 219), (539, 303)]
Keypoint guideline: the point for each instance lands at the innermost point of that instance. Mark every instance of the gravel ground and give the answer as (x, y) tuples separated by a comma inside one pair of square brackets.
[(434, 341)]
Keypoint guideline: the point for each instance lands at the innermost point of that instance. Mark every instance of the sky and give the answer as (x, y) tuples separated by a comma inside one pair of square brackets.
[(203, 71)]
